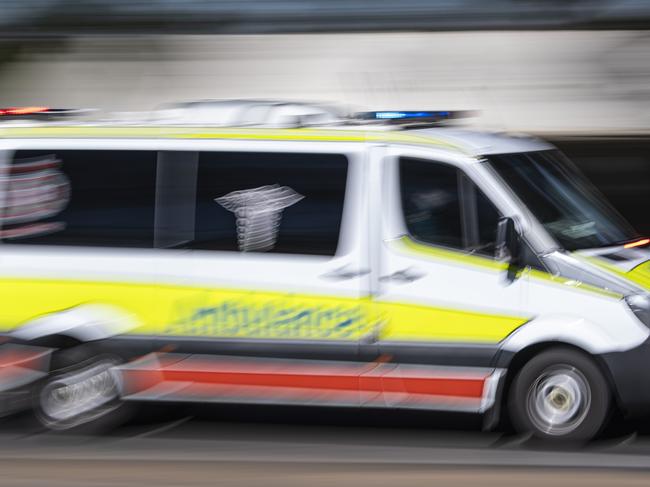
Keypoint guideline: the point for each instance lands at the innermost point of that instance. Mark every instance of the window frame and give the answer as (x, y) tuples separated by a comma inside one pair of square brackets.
[(11, 159), (353, 233), (467, 189)]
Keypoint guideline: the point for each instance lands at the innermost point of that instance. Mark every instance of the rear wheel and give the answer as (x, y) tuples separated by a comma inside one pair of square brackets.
[(560, 394), (82, 390)]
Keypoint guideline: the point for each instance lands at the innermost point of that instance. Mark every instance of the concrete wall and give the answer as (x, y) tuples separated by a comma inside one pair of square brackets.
[(544, 82)]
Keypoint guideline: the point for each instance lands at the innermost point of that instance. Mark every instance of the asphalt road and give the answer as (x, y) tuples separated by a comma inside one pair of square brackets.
[(278, 446)]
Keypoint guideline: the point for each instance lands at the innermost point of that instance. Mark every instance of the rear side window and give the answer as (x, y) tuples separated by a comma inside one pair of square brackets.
[(93, 198), (252, 202), (442, 206)]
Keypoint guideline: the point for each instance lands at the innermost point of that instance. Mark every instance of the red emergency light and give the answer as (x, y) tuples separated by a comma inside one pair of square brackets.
[(13, 111)]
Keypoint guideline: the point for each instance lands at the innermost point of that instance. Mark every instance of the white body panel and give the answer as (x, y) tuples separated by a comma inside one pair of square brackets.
[(566, 313), (594, 322)]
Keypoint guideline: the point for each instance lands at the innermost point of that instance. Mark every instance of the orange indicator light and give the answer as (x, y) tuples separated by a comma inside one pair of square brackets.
[(638, 243)]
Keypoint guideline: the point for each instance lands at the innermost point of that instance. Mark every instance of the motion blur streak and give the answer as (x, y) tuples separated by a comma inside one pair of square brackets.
[(22, 110), (152, 473), (549, 82), (638, 243), (239, 214)]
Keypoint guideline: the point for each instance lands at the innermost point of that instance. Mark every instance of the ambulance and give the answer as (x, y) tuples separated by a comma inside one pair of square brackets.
[(279, 253)]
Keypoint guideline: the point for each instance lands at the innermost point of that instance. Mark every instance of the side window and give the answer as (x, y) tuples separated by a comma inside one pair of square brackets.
[(443, 207), (80, 198), (431, 202), (261, 202)]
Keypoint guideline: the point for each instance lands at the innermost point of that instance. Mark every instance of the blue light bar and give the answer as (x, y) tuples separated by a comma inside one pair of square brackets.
[(408, 115)]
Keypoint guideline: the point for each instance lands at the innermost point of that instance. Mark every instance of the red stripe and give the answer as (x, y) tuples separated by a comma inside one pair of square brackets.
[(300, 376), (262, 378), (456, 387)]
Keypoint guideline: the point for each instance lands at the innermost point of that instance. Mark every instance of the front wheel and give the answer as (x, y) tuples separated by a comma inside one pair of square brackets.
[(560, 394)]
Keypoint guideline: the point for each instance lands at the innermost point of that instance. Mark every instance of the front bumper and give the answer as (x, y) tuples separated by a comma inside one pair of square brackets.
[(630, 375)]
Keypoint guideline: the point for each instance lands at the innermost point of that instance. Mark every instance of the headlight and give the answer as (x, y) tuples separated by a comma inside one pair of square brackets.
[(640, 306)]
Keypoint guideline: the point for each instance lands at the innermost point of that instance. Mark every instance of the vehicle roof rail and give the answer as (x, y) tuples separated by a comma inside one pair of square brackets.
[(241, 113)]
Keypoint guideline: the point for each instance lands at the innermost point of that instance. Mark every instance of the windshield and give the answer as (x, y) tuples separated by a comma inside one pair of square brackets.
[(562, 199)]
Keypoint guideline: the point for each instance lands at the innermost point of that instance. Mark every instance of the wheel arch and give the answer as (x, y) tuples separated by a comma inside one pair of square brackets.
[(56, 341), (76, 325), (513, 362)]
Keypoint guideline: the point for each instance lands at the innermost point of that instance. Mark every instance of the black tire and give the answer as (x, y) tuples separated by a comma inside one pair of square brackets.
[(71, 365), (560, 395)]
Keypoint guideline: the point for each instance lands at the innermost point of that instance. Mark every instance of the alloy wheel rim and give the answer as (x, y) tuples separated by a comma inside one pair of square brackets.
[(559, 400), (79, 396)]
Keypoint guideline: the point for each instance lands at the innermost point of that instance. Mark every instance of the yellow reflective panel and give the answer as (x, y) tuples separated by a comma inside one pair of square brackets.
[(190, 311), (640, 275), (545, 277), (408, 322), (226, 313), (26, 299), (191, 132), (255, 314), (171, 132), (411, 322), (407, 244), (402, 138)]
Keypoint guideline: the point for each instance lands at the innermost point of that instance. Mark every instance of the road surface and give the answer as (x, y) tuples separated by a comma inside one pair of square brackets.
[(285, 447)]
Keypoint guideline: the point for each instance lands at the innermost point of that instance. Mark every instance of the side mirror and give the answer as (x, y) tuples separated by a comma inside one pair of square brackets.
[(508, 248)]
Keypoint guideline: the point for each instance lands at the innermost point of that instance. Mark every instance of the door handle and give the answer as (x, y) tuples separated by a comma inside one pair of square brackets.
[(344, 273), (404, 276)]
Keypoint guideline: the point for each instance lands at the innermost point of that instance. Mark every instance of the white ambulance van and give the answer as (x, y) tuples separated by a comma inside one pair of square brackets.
[(378, 261)]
